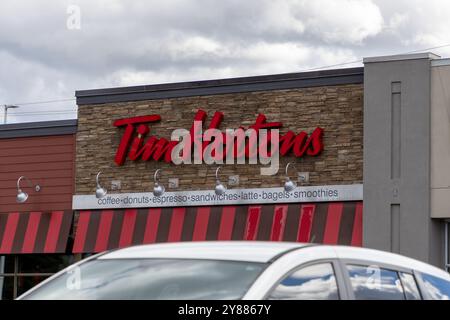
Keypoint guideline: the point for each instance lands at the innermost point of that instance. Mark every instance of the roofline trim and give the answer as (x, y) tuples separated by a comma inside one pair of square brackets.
[(401, 57), (41, 128), (222, 86)]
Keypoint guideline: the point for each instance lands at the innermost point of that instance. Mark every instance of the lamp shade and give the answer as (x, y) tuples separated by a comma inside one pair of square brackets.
[(220, 188), (158, 190), (289, 185), (21, 196), (100, 192)]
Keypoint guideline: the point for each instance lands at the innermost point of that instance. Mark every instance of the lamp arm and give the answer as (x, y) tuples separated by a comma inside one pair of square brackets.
[(156, 175), (30, 183), (287, 167), (97, 178), (217, 173)]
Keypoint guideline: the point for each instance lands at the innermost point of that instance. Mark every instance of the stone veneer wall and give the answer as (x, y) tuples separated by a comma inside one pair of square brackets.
[(337, 109)]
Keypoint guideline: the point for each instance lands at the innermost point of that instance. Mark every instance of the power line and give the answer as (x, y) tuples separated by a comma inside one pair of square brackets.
[(308, 69), (361, 60), (43, 102), (43, 115), (432, 48), (40, 114), (44, 111), (334, 65)]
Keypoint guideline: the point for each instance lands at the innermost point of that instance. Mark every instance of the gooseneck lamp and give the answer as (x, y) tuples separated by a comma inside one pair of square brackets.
[(158, 188), (22, 196), (220, 188), (100, 192), (289, 185)]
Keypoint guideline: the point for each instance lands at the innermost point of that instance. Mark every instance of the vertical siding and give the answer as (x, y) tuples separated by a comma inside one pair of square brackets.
[(48, 161)]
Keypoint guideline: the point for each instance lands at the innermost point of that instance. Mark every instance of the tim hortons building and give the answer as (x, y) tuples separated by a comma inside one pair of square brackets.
[(382, 131)]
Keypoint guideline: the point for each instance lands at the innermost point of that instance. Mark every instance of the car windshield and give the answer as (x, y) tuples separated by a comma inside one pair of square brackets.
[(155, 279)]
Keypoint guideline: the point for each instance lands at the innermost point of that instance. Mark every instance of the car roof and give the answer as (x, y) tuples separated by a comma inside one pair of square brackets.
[(388, 258), (263, 252), (251, 251)]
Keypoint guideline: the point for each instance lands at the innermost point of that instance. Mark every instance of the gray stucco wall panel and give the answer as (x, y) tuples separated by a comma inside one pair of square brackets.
[(412, 232)]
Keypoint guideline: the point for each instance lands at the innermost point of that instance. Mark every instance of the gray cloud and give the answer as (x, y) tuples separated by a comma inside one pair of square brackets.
[(142, 42)]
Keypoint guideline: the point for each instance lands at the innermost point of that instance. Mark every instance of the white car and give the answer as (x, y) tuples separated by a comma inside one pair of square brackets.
[(245, 270)]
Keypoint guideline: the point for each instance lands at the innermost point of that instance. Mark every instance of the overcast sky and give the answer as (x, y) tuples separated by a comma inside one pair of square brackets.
[(46, 52)]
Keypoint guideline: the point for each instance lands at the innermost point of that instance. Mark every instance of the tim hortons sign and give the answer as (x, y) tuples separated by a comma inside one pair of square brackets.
[(136, 143)]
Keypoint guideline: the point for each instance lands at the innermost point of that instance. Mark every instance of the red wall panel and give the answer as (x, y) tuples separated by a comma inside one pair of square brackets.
[(48, 161)]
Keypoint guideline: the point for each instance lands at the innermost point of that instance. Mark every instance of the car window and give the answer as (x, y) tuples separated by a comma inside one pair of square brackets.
[(373, 283), (436, 288), (155, 279), (315, 282), (410, 286)]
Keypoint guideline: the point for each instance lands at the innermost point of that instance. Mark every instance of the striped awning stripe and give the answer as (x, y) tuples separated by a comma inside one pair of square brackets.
[(34, 232), (329, 223)]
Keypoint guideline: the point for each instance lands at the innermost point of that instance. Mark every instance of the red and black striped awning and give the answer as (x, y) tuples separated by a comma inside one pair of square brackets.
[(34, 232), (329, 223)]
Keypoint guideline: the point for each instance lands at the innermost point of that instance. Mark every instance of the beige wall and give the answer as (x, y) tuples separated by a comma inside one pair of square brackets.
[(440, 141), (337, 109)]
